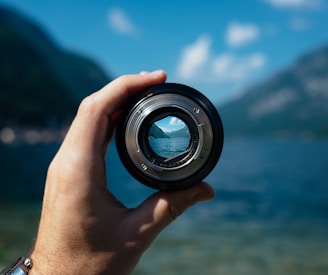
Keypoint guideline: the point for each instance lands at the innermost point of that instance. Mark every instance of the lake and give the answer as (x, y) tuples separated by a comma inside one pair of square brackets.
[(169, 147), (270, 214)]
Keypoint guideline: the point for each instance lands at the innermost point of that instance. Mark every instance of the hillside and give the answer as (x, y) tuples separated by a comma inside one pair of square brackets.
[(294, 102), (182, 133), (41, 84), (156, 132)]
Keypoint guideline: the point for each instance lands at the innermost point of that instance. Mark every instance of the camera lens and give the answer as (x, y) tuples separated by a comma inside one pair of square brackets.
[(169, 137)]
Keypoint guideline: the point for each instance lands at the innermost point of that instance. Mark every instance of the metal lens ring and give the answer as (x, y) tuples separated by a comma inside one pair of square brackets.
[(170, 137), (141, 119), (180, 146)]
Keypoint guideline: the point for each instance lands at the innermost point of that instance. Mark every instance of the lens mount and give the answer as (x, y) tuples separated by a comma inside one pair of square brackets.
[(169, 137)]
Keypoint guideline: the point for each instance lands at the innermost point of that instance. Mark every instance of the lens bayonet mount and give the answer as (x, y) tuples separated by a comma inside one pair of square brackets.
[(169, 137)]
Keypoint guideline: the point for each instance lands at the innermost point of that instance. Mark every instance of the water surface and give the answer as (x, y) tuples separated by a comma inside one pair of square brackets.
[(269, 215)]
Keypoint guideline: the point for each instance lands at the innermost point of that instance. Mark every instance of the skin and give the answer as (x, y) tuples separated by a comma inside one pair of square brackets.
[(84, 229)]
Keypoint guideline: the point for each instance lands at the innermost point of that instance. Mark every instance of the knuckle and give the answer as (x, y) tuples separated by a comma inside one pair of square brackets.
[(171, 208), (59, 176), (124, 82), (178, 205), (51, 169), (123, 79), (88, 105), (174, 212)]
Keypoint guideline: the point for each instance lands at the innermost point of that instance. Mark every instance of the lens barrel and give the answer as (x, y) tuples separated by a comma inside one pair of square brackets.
[(169, 137)]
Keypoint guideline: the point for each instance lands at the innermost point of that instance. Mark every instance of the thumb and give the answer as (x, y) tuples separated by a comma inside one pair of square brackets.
[(159, 210)]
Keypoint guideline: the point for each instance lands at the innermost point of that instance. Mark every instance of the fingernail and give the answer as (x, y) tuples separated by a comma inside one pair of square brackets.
[(144, 72), (157, 72)]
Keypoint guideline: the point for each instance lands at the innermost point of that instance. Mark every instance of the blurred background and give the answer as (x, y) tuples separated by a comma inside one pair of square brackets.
[(263, 63)]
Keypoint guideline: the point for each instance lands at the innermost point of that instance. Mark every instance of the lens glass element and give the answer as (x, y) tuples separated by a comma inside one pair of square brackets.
[(169, 137)]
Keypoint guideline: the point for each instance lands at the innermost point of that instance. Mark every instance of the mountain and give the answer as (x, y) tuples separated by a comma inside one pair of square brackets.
[(40, 83), (182, 133), (156, 132), (294, 102)]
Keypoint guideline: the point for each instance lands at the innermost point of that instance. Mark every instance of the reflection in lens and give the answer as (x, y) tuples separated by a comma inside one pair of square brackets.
[(169, 137)]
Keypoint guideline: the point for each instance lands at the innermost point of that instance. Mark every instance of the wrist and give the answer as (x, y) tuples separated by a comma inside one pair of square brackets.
[(21, 266), (62, 263), (52, 264), (41, 265)]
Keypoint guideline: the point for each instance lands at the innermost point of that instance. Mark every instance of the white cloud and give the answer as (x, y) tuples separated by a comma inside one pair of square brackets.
[(176, 121), (199, 64), (194, 57), (295, 4), (120, 22), (227, 67), (238, 35)]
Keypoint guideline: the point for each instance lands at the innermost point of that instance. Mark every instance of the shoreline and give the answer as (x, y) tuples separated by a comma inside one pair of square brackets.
[(31, 136)]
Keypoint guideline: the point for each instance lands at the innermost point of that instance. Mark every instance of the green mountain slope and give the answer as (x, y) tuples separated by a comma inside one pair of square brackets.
[(40, 83), (294, 102)]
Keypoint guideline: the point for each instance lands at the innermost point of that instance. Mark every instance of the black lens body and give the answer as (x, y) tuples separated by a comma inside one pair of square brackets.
[(169, 137)]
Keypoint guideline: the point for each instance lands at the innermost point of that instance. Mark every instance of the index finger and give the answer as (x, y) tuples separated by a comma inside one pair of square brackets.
[(92, 123), (110, 98)]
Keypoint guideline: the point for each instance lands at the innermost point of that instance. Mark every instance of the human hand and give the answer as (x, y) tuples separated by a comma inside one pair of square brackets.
[(84, 229)]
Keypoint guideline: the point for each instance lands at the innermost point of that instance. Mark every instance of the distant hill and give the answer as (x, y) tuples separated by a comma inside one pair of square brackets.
[(156, 132), (40, 83), (183, 133), (294, 102)]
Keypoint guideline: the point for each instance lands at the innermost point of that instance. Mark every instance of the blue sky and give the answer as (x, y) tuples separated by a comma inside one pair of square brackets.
[(170, 124), (219, 47)]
